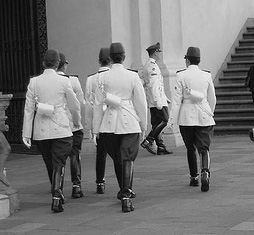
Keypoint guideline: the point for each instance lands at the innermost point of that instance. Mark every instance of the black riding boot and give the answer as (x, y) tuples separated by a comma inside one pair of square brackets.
[(205, 171), (193, 167), (126, 191), (120, 193), (161, 150), (75, 166), (100, 167), (57, 194)]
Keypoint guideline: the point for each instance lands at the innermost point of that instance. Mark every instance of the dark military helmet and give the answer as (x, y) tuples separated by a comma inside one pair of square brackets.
[(193, 52), (63, 60), (104, 53), (116, 48), (52, 55)]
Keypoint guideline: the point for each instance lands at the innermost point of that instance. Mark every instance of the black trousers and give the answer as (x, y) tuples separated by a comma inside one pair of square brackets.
[(159, 120), (196, 138), (54, 153), (101, 155), (77, 142), (75, 158), (120, 148)]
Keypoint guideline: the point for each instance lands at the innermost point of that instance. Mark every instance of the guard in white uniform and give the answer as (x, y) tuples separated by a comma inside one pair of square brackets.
[(78, 134), (51, 96), (125, 117), (157, 102), (101, 153), (193, 106)]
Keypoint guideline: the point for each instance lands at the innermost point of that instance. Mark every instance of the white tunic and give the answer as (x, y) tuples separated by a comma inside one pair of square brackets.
[(76, 86), (131, 116), (153, 84), (186, 112), (55, 90), (91, 84)]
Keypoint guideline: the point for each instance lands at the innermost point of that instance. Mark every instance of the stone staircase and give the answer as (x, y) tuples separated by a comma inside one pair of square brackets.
[(234, 112)]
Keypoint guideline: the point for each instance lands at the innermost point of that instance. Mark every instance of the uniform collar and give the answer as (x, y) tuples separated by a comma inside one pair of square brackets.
[(152, 60), (48, 71), (103, 69), (193, 66), (60, 72), (116, 66)]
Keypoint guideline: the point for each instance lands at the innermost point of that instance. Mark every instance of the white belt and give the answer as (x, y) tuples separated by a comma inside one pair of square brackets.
[(199, 104), (189, 101), (126, 102)]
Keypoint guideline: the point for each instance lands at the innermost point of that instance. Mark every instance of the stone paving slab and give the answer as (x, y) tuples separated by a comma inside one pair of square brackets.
[(165, 204)]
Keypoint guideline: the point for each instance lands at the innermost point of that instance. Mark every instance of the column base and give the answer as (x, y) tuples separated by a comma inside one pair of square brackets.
[(173, 140), (10, 195), (172, 137), (4, 206)]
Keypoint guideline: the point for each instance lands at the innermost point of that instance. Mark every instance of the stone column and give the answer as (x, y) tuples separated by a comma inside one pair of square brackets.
[(8, 195), (172, 57)]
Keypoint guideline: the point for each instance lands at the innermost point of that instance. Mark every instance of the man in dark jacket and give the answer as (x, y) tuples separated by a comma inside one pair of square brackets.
[(249, 81)]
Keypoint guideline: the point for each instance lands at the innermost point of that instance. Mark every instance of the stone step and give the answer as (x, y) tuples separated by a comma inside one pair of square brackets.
[(233, 95), (244, 49), (250, 28), (242, 57), (236, 72), (231, 87), (234, 104), (232, 130), (248, 35), (240, 64), (234, 121), (239, 112), (232, 79), (246, 42)]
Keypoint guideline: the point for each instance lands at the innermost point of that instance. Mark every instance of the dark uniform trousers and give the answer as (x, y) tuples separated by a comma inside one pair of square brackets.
[(101, 155), (75, 159), (159, 120), (197, 138), (123, 149), (54, 153)]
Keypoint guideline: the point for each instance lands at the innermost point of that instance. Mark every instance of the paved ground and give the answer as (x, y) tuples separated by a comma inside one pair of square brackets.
[(165, 204)]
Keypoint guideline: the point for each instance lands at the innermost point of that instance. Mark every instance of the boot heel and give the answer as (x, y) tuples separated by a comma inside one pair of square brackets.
[(205, 181), (56, 205), (127, 205)]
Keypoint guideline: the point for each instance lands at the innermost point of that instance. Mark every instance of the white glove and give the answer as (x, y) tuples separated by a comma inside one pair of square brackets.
[(158, 105), (27, 142), (143, 135), (94, 139)]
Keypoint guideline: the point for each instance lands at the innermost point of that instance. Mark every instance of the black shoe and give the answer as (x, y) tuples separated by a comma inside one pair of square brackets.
[(127, 205), (194, 181), (120, 194), (205, 181), (76, 192), (56, 205), (100, 188), (163, 151), (148, 146)]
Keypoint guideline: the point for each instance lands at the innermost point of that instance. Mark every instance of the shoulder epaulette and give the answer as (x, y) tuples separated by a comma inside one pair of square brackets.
[(132, 70), (102, 71), (64, 75), (72, 75), (206, 71), (91, 74), (180, 70)]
